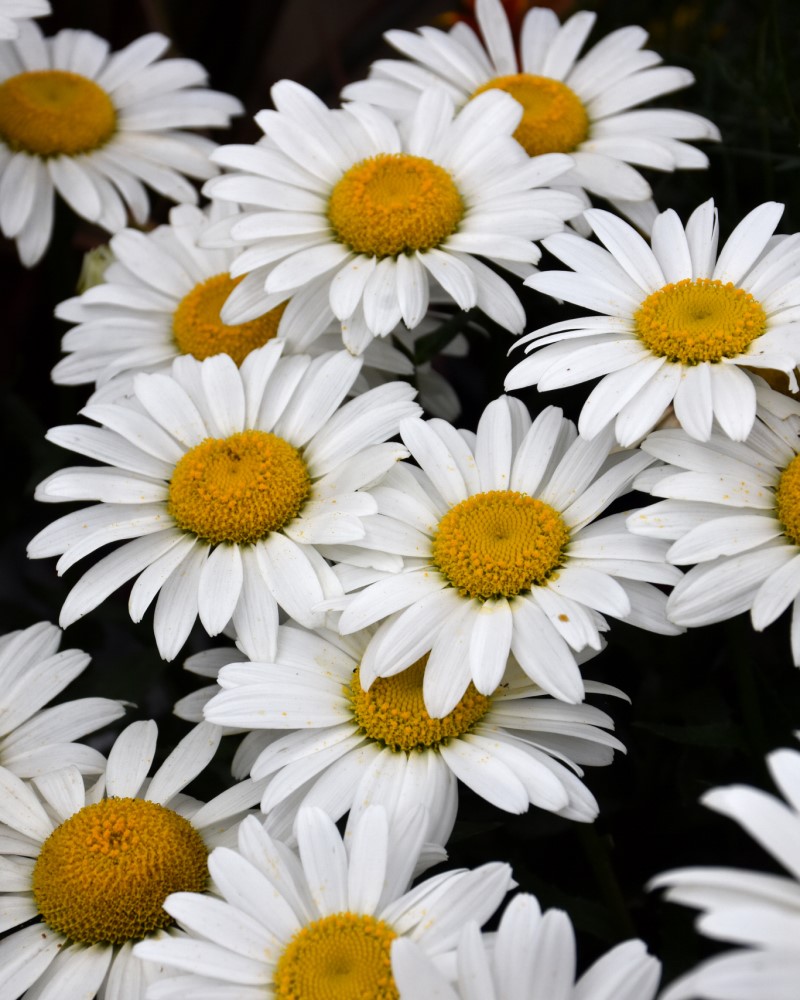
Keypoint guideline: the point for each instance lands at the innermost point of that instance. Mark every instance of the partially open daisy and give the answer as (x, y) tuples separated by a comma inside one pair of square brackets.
[(531, 955), (581, 106), (35, 739), (321, 924), (758, 911), (681, 324), (232, 482), (503, 556), (13, 11), (97, 128), (87, 873), (364, 212)]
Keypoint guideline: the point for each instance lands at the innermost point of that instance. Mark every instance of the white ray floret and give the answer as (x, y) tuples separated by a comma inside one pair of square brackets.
[(14, 11)]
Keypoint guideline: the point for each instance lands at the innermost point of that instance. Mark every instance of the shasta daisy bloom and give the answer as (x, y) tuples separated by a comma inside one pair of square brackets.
[(320, 924), (681, 324), (504, 555), (365, 212), (580, 106), (757, 911), (231, 483), (12, 11), (531, 955), (96, 128), (92, 869), (35, 739)]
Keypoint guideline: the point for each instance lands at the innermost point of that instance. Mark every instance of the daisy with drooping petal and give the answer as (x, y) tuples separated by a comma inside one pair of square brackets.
[(504, 556), (13, 11), (35, 739), (231, 482), (362, 212), (321, 924), (532, 955), (681, 324), (96, 128), (93, 869), (581, 106), (760, 912)]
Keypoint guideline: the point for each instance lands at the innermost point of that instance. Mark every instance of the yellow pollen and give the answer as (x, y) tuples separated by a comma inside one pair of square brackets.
[(699, 319), (238, 489), (102, 876), (498, 544), (199, 331), (787, 500), (51, 112), (394, 203), (554, 119), (345, 956)]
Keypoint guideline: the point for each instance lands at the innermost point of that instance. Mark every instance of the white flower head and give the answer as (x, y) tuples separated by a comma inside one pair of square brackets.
[(14, 11)]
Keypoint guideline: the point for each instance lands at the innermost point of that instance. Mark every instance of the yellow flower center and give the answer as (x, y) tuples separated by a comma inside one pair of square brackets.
[(345, 956), (51, 112), (393, 711), (787, 500), (699, 319), (238, 489), (199, 331), (499, 543), (394, 203), (102, 876), (554, 119)]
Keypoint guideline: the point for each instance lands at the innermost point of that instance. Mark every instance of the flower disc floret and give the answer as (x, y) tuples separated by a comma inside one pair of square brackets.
[(199, 331), (102, 876), (394, 203), (344, 956), (499, 544), (554, 119), (55, 113), (699, 319), (393, 714), (238, 489), (787, 500)]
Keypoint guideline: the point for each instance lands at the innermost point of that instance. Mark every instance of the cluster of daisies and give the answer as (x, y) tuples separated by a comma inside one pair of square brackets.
[(407, 606)]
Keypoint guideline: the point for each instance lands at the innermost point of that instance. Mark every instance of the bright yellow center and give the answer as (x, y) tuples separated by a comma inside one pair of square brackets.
[(787, 500), (238, 489), (103, 875), (50, 112), (199, 331), (394, 203), (699, 319), (393, 711), (498, 544), (345, 956), (554, 119)]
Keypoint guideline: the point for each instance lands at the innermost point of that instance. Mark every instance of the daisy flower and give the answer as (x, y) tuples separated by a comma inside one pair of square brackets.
[(92, 869), (35, 739), (12, 11), (365, 212), (681, 324), (760, 912), (531, 955), (231, 483), (504, 556), (733, 509), (321, 923), (581, 106), (96, 127)]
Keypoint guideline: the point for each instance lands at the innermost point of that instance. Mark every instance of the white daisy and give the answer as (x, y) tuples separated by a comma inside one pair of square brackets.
[(503, 555), (364, 212), (532, 955), (681, 325), (760, 912), (232, 482), (12, 11), (92, 869), (35, 739), (581, 106), (96, 128), (320, 924), (734, 510)]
